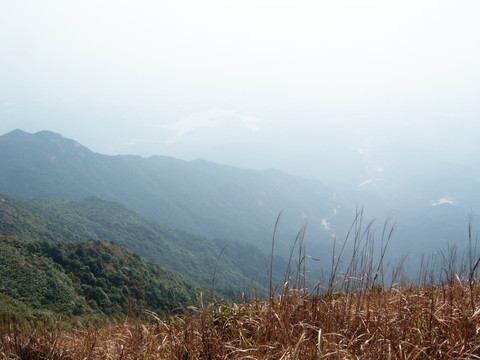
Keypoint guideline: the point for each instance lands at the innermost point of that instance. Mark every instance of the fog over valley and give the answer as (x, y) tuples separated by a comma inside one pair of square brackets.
[(236, 110)]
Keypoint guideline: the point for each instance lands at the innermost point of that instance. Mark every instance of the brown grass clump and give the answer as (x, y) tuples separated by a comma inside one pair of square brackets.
[(435, 322)]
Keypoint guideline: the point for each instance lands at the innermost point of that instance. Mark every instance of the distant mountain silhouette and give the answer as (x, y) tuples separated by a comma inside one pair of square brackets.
[(198, 196)]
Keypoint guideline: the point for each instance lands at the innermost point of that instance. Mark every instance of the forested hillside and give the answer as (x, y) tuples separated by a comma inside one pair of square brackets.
[(41, 280), (241, 267)]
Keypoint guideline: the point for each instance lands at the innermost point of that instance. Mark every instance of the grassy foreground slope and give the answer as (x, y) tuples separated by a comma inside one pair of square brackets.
[(426, 322)]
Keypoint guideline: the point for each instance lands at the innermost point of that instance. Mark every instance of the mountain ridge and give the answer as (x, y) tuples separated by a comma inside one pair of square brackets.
[(219, 201), (198, 196)]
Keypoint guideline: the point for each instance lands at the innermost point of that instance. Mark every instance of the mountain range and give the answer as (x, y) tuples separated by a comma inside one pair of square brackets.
[(198, 196), (223, 202)]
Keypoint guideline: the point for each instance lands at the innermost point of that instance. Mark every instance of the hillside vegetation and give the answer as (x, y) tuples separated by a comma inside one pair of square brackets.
[(241, 267), (40, 280)]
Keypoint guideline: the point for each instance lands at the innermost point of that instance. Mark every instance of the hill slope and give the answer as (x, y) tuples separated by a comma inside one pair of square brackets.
[(190, 256), (94, 277)]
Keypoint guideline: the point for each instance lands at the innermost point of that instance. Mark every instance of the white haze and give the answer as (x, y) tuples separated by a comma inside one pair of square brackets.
[(333, 90)]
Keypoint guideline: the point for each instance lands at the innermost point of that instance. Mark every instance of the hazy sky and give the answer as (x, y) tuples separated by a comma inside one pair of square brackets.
[(251, 83)]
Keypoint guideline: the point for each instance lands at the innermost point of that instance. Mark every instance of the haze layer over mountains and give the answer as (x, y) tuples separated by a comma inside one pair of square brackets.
[(213, 116), (240, 205)]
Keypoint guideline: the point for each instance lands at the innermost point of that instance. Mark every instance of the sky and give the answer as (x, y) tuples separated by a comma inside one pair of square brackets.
[(303, 86)]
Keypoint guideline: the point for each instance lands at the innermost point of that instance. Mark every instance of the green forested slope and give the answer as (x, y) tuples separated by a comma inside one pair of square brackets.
[(16, 218), (88, 278), (241, 268), (33, 283), (190, 256)]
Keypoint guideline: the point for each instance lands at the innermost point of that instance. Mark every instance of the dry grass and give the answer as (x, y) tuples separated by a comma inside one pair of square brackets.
[(435, 322), (355, 317)]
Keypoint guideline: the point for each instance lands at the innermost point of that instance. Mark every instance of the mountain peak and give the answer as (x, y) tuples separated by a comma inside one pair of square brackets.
[(46, 157), (15, 133), (55, 137), (48, 134), (43, 133), (43, 140)]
